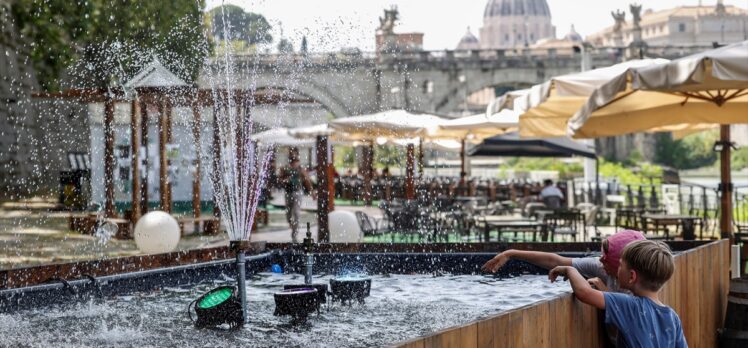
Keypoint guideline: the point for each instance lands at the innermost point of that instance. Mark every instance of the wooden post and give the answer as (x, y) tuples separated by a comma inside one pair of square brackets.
[(196, 124), (324, 179), (463, 167), (109, 156), (169, 140), (410, 173), (725, 221), (216, 156), (420, 157), (163, 163), (367, 157), (146, 162), (135, 158)]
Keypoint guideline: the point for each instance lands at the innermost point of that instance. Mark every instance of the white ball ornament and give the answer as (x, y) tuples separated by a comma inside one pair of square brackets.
[(157, 232)]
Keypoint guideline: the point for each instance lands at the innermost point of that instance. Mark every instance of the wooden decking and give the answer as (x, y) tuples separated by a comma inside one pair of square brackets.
[(697, 292)]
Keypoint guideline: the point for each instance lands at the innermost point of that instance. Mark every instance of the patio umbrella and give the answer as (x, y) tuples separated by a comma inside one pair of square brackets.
[(546, 108), (391, 123), (511, 144), (709, 87), (478, 126), (280, 137)]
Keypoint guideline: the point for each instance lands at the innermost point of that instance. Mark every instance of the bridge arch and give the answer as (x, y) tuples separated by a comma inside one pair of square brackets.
[(476, 80), (309, 89)]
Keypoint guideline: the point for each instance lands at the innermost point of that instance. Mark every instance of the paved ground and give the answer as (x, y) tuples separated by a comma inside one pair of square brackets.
[(31, 234)]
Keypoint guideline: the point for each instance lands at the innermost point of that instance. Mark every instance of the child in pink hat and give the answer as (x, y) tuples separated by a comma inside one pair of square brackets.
[(601, 272)]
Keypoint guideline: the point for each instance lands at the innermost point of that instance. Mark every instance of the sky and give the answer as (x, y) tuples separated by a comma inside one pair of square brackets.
[(334, 24)]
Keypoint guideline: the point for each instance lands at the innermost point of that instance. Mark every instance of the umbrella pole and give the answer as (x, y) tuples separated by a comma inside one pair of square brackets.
[(725, 186)]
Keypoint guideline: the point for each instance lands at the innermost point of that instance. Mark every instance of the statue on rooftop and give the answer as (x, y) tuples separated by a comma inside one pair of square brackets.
[(620, 18), (387, 24), (636, 11)]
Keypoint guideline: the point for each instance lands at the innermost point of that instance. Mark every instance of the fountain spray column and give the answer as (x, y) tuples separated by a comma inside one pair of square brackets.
[(308, 246), (240, 247)]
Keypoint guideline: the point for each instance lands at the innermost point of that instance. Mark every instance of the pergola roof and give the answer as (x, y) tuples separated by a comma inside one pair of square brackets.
[(155, 75)]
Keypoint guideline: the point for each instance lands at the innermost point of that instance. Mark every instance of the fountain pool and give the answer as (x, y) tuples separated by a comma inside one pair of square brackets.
[(400, 307)]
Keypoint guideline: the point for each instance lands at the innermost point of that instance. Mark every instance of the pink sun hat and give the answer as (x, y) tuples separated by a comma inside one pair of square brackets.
[(617, 242)]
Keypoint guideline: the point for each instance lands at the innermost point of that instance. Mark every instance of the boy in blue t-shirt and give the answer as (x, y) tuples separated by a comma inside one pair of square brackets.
[(642, 320)]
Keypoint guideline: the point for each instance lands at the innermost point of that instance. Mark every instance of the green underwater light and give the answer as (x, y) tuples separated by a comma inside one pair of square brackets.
[(215, 297), (218, 307)]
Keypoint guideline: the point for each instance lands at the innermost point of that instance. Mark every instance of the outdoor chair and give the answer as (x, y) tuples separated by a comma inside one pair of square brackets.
[(565, 223), (369, 226), (552, 202), (590, 216)]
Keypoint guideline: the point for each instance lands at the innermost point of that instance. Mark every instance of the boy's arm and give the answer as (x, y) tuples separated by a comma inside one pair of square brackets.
[(582, 289), (538, 258)]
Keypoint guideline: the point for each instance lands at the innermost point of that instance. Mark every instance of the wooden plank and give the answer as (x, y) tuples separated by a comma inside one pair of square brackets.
[(486, 332), (450, 338), (469, 336), (561, 311), (509, 329)]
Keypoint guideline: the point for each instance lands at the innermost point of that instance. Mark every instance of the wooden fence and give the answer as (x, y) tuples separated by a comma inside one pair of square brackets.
[(697, 291)]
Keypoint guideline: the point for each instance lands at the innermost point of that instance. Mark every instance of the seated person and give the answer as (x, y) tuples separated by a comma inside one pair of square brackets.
[(551, 195)]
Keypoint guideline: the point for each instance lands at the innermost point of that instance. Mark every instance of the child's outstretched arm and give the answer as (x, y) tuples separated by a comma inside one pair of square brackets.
[(582, 289)]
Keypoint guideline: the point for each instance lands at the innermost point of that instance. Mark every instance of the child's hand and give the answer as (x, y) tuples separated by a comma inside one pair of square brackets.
[(495, 263), (598, 284), (559, 270)]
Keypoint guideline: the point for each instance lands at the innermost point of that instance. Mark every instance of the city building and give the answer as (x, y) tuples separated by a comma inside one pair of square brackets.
[(680, 26)]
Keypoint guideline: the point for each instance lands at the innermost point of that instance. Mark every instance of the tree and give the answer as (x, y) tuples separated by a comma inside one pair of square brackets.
[(285, 46), (96, 41), (304, 49), (230, 21)]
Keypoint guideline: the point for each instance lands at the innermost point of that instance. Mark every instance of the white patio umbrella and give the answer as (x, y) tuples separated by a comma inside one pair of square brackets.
[(705, 88), (478, 127), (391, 124), (280, 137)]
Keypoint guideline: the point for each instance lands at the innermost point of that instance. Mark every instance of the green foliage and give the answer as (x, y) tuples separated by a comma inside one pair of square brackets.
[(627, 175), (345, 157), (739, 158), (249, 27), (285, 46), (565, 170), (693, 151), (111, 39), (388, 156)]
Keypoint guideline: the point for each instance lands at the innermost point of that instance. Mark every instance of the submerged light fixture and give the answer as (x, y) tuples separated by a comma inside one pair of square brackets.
[(217, 307)]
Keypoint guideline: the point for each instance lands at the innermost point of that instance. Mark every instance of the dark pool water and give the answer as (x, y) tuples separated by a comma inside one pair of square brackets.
[(400, 307)]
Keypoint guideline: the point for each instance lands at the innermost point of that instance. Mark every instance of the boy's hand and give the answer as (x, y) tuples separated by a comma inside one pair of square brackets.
[(557, 271), (496, 262), (598, 284)]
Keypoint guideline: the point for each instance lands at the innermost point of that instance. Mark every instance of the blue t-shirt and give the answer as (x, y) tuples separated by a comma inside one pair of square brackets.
[(643, 323)]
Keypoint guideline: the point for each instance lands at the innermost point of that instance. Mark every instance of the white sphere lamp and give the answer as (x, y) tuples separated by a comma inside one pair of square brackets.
[(157, 232)]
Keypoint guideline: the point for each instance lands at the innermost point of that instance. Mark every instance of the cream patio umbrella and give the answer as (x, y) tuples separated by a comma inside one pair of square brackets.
[(389, 124), (705, 88), (546, 108), (478, 127)]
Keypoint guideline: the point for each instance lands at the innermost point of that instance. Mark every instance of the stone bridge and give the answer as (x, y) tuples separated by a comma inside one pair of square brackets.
[(356, 83)]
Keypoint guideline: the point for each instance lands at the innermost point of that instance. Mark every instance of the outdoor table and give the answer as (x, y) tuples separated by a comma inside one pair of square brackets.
[(502, 223), (687, 222), (466, 199)]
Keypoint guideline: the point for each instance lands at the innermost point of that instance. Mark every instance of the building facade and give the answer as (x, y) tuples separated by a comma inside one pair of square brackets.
[(680, 26)]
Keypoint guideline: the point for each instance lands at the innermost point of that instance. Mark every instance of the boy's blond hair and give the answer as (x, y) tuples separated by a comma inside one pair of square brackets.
[(652, 261)]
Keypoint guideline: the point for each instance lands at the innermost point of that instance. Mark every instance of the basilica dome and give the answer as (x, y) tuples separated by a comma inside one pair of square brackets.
[(515, 23), (507, 8)]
